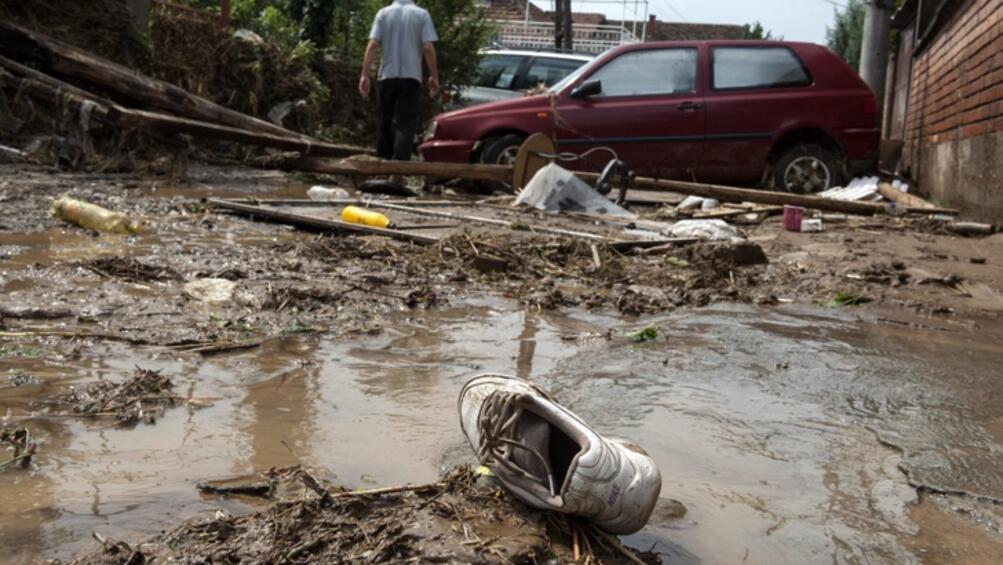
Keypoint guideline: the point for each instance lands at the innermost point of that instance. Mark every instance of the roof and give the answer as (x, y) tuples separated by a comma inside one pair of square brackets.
[(513, 10), (676, 31)]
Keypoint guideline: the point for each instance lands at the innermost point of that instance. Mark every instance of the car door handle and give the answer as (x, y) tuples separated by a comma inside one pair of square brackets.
[(689, 106)]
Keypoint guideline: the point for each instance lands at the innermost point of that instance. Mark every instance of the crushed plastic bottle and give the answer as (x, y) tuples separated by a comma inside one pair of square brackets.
[(322, 193), (92, 216), (356, 215)]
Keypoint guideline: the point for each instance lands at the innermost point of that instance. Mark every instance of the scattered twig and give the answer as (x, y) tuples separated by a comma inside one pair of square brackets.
[(613, 541)]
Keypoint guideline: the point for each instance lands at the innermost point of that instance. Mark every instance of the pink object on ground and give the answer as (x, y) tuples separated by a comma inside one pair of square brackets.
[(792, 217)]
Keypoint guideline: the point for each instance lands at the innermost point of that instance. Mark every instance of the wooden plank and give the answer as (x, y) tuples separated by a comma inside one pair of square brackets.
[(319, 223), (733, 194), (626, 244), (904, 198), (67, 61), (303, 202), (380, 167), (125, 117)]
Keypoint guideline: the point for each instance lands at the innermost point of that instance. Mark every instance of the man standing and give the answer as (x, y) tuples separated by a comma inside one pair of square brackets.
[(402, 32)]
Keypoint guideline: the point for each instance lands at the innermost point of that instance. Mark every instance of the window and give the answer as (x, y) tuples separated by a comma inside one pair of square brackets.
[(757, 67), (497, 71), (652, 71), (548, 72)]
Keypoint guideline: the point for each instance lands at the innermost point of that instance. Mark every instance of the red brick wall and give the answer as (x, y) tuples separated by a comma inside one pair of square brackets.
[(957, 81)]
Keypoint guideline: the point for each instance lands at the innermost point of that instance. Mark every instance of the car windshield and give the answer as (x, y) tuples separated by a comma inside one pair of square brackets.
[(573, 76)]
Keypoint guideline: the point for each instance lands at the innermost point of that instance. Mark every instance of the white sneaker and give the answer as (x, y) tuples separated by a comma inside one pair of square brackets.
[(551, 460)]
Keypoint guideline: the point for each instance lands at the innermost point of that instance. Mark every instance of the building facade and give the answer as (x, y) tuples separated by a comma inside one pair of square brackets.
[(946, 102)]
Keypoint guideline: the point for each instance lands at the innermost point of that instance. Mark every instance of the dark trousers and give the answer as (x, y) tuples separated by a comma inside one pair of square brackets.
[(399, 99)]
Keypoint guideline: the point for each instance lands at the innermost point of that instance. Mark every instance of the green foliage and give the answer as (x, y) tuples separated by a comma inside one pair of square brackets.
[(847, 33), (649, 333), (212, 5), (342, 28), (757, 31), (461, 29)]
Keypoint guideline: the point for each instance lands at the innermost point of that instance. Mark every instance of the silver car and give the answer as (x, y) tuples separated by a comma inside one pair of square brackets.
[(507, 73)]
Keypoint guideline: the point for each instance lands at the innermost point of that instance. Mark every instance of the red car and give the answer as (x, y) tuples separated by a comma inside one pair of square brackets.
[(789, 115)]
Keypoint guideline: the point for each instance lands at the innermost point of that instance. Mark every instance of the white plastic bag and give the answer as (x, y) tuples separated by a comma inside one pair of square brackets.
[(555, 189), (712, 230)]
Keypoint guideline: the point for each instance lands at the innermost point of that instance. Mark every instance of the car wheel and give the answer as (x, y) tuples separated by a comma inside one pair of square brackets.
[(806, 168), (502, 150)]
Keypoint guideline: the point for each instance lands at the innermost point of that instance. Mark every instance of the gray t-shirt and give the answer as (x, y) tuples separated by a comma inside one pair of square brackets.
[(402, 28)]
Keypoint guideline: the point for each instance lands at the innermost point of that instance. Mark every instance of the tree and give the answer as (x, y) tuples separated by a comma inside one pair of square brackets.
[(757, 31), (847, 33)]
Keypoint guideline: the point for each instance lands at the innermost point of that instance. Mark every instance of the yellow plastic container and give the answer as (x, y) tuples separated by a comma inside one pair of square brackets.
[(356, 215), (92, 216)]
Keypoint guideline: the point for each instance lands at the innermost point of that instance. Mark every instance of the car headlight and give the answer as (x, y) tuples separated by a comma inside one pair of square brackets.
[(430, 132)]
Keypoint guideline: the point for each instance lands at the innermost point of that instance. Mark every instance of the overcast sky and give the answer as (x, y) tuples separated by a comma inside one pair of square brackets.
[(795, 20)]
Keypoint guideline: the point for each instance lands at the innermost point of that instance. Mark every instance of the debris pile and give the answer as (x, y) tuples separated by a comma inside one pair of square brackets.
[(143, 397), (19, 440), (457, 519), (130, 270)]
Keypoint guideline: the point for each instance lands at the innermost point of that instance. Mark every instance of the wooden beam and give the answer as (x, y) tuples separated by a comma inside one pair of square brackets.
[(126, 117), (319, 223), (54, 95), (24, 71), (733, 194), (67, 61), (380, 167), (903, 198)]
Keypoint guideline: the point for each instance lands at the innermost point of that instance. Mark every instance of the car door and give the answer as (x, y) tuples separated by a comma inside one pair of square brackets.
[(754, 92), (649, 112)]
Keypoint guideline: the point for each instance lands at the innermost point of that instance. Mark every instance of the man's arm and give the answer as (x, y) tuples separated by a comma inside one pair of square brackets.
[(428, 48), (367, 66)]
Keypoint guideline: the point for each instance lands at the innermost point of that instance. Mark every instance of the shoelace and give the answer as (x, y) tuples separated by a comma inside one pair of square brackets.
[(495, 426)]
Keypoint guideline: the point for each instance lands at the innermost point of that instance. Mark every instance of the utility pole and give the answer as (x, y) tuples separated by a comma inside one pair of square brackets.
[(140, 12), (874, 47), (224, 14), (562, 25)]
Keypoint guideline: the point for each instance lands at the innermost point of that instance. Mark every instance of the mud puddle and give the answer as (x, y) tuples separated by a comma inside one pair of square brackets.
[(765, 424)]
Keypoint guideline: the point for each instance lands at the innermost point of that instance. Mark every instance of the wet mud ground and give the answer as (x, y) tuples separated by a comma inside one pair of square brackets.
[(791, 432)]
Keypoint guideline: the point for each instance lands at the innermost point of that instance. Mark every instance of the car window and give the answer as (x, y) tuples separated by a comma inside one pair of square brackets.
[(652, 71), (757, 67), (548, 71), (498, 71)]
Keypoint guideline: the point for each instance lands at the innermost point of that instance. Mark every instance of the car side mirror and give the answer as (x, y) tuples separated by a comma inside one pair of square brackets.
[(587, 89)]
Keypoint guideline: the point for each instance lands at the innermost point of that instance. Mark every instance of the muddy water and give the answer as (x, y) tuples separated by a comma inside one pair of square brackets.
[(784, 431)]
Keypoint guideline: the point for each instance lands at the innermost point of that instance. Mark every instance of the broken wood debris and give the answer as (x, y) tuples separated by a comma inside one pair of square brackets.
[(903, 198), (263, 209), (63, 60), (318, 223), (503, 173), (380, 167), (176, 110)]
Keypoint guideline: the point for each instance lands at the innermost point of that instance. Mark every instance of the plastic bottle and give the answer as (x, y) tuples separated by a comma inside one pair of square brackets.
[(356, 215), (92, 216), (321, 193)]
